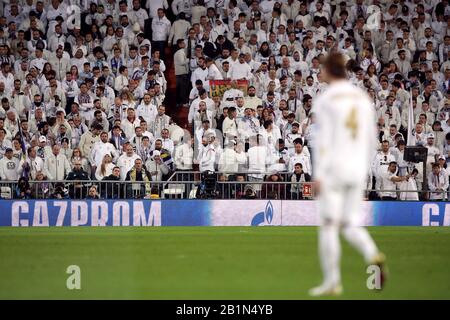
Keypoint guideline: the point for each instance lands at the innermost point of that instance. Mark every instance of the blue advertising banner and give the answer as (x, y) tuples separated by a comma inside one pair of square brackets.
[(44, 213), (410, 213), (103, 213)]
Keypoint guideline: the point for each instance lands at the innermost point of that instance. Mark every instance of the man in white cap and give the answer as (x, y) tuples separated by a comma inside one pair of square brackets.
[(156, 167), (442, 160), (43, 151), (433, 151)]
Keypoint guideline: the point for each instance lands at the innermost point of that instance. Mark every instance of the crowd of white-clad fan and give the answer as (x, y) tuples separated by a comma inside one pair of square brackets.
[(87, 99)]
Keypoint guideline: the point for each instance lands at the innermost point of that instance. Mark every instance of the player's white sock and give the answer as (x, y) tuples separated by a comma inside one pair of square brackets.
[(330, 253), (361, 240)]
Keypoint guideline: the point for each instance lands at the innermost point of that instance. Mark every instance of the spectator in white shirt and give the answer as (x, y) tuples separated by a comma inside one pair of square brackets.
[(166, 142), (201, 73), (213, 71), (389, 180), (207, 154), (184, 155), (100, 149), (9, 167), (231, 158), (160, 32), (147, 110), (241, 70), (122, 80), (438, 183), (56, 165), (126, 160), (299, 156)]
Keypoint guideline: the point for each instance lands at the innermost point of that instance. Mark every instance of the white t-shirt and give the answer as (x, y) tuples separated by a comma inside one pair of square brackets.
[(388, 184), (126, 163)]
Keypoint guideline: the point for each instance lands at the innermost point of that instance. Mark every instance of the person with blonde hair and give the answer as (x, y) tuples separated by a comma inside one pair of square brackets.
[(128, 99), (105, 169), (77, 156)]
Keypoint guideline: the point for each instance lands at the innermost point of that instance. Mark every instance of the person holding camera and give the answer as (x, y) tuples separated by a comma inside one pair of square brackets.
[(389, 181), (410, 185)]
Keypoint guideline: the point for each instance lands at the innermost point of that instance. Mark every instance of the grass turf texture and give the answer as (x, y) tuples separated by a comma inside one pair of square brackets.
[(211, 263)]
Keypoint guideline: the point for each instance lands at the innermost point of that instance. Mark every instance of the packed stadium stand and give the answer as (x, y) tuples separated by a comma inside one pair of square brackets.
[(214, 99)]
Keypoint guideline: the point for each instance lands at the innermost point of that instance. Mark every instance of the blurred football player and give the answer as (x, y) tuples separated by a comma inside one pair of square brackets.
[(346, 140)]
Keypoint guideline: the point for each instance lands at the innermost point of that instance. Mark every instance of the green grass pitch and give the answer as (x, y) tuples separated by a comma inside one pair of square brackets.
[(212, 263)]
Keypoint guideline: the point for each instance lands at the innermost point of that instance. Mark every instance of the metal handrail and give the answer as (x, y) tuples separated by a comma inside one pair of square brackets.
[(79, 189)]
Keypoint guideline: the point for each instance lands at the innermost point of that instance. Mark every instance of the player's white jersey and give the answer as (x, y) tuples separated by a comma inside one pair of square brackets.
[(346, 136)]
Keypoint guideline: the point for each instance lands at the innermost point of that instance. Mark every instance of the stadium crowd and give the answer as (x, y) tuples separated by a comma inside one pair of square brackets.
[(84, 94)]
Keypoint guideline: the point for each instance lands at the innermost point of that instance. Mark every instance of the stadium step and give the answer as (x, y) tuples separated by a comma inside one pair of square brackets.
[(179, 115)]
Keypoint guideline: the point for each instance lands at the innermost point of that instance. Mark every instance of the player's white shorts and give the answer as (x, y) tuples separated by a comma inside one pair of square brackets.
[(341, 204)]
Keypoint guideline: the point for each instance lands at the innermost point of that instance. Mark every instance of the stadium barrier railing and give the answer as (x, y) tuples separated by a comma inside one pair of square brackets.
[(185, 185)]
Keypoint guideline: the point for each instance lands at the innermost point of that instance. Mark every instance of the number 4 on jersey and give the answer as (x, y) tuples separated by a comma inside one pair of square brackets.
[(352, 122)]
